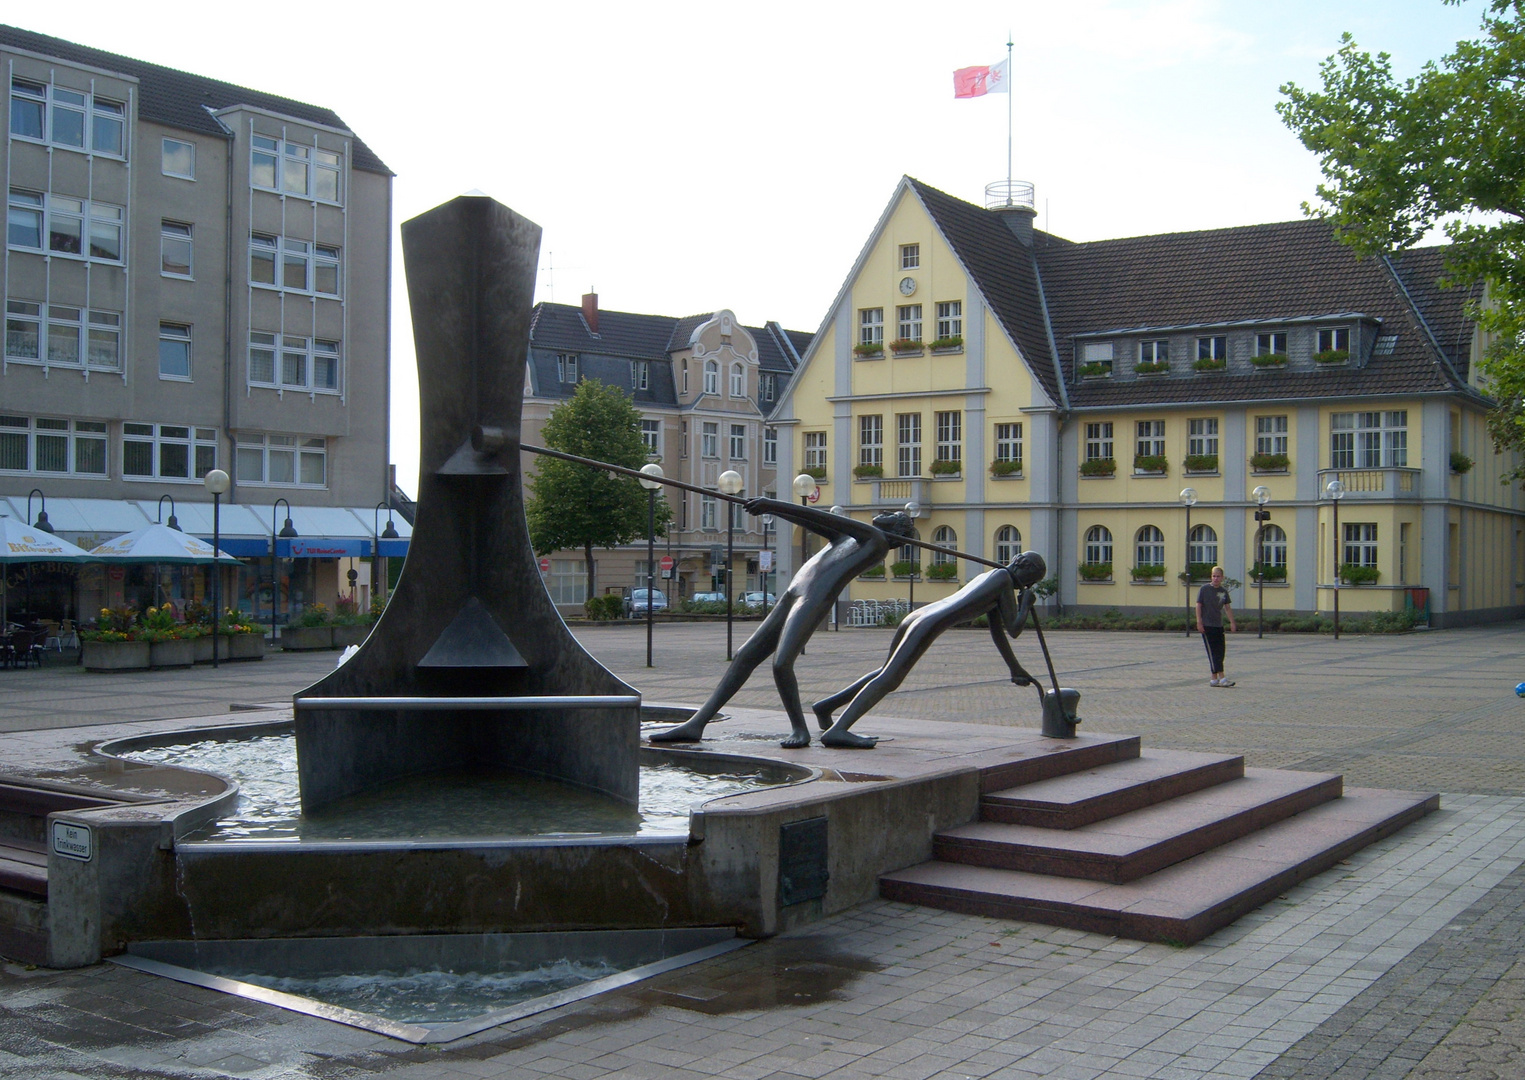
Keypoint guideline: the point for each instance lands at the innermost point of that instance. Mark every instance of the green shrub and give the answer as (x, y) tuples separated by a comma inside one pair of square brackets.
[(1150, 462), (1272, 573), (1354, 574), (864, 348), (1101, 571), (947, 468), (1096, 369), (905, 568), (1205, 364), (1266, 360), (818, 472), (1332, 356), (1005, 468), (943, 572), (604, 608), (1151, 367), (863, 472), (1099, 467), (1460, 463), (1270, 462), (953, 342), (315, 615), (1201, 463), (874, 572), (1148, 572)]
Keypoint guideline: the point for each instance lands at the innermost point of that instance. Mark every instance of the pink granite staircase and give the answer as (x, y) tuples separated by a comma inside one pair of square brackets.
[(1159, 846)]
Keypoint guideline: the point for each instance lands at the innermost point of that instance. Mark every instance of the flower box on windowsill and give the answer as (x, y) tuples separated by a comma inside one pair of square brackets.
[(1148, 575), (1209, 365), (1006, 470), (1332, 357), (865, 351), (816, 472), (1150, 368), (1150, 464), (1098, 468), (942, 572), (1095, 370), (947, 470), (1096, 574), (868, 472), (904, 347), (951, 344), (1270, 463), (1269, 361), (1201, 464), (947, 350)]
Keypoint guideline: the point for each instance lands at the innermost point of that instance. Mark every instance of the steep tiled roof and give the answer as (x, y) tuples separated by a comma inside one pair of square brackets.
[(1003, 270), (683, 330), (176, 98), (620, 333), (1421, 271)]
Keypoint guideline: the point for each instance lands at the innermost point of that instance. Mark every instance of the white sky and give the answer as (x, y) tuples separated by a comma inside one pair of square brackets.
[(687, 157)]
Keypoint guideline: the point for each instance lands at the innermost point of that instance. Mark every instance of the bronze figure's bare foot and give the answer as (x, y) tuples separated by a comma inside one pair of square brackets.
[(822, 716), (798, 739), (846, 740), (682, 733)]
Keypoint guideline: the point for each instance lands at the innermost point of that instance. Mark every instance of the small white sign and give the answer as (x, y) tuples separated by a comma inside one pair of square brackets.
[(765, 561), (73, 841)]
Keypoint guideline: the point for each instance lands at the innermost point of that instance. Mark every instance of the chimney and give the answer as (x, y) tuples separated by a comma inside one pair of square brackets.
[(590, 311), (1019, 219), (1013, 200)]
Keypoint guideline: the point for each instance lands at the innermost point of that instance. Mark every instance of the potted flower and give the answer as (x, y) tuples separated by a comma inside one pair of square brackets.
[(1354, 574), (905, 568), (1005, 468), (1148, 572), (1095, 369), (1151, 367), (1332, 356), (1104, 466), (1460, 463), (313, 629), (240, 640), (868, 472), (943, 571), (901, 346), (947, 468), (112, 644), (1202, 571), (874, 572), (350, 626), (1150, 463), (166, 645), (868, 350), (1269, 360), (1270, 462), (951, 343), (1271, 573), (1101, 571), (816, 471), (1201, 463), (1209, 364)]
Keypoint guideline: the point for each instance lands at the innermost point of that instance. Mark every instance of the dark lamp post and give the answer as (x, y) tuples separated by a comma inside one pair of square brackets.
[(287, 532), (652, 486), (1336, 491), (42, 521), (173, 522), (729, 483), (217, 482), (1262, 515), (378, 587), (913, 511), (767, 524), (803, 485), (1188, 500)]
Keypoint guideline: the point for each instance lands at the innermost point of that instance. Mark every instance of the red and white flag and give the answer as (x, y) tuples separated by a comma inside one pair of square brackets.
[(978, 81)]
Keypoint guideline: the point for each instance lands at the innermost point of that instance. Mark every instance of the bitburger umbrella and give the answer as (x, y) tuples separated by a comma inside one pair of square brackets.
[(23, 543)]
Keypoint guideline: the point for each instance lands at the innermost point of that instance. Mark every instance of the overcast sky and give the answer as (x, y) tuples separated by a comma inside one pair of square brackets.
[(687, 157)]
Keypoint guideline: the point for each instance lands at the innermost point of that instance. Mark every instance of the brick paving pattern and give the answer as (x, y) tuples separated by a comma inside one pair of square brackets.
[(1401, 962)]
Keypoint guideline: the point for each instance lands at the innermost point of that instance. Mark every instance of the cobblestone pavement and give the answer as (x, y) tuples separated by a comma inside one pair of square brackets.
[(1404, 961)]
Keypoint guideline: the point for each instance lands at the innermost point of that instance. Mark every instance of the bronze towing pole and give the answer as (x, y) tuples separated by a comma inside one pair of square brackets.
[(638, 475)]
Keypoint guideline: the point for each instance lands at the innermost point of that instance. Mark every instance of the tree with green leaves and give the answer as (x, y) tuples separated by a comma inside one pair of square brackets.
[(577, 506), (1444, 148)]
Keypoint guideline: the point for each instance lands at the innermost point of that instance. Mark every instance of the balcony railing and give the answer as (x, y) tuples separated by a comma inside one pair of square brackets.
[(896, 493), (1389, 483)]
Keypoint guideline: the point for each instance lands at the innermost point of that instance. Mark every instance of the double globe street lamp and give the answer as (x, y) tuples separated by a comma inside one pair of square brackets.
[(1262, 515), (217, 482), (1188, 500), (1336, 491), (729, 483), (652, 486)]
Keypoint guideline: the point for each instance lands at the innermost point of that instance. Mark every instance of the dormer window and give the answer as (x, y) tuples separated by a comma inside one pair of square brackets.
[(1338, 338), (1272, 344)]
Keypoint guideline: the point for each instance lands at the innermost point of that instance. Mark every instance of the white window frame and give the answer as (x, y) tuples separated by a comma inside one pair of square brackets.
[(910, 256), (1098, 352), (30, 432), (1273, 541), (198, 444), (1214, 347), (707, 514), (871, 440), (569, 581), (767, 386), (95, 114), (1359, 544), (815, 449), (1156, 351), (950, 319), (908, 322), (1149, 546), (738, 381), (651, 435), (176, 335), (950, 435), (174, 235), (640, 374), (945, 535), (286, 160), (871, 326), (1334, 338), (566, 368), (304, 454), (1099, 440), (284, 252), (1202, 545), (711, 377), (709, 439), (1098, 545), (908, 444), (1008, 442), (295, 363), (89, 331), (1008, 543), (91, 221), (1272, 342), (1369, 440), (165, 149), (1202, 435), (1271, 434), (1150, 440), (738, 443), (770, 446)]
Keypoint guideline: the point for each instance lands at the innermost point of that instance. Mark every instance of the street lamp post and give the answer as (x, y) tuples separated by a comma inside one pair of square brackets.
[(287, 533), (1336, 491), (913, 511), (378, 581), (1188, 500), (767, 571), (217, 482), (803, 485), (173, 522), (652, 486), (46, 526), (1262, 515), (730, 483)]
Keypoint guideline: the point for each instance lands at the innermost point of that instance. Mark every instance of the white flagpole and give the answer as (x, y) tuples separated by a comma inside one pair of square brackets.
[(1009, 95)]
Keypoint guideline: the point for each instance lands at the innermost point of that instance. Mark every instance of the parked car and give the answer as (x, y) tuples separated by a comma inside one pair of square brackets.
[(708, 597), (757, 598), (635, 603)]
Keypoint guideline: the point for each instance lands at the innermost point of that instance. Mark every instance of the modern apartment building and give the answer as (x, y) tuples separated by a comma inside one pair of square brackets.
[(703, 385), (196, 276), (1115, 405)]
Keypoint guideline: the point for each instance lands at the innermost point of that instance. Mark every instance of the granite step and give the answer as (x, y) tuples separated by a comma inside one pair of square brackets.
[(1143, 841), (1068, 802), (1058, 757), (1182, 903), (24, 867)]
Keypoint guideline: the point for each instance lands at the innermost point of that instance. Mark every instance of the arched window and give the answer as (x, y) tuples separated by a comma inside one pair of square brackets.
[(1273, 542), (909, 553), (711, 377), (1202, 546), (1149, 547), (1098, 545), (1008, 543), (946, 537), (738, 381)]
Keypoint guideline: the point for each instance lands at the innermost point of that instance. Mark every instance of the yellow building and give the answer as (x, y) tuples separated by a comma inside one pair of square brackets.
[(1026, 392)]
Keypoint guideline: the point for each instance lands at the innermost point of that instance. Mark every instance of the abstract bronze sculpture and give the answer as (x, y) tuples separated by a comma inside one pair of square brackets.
[(852, 548)]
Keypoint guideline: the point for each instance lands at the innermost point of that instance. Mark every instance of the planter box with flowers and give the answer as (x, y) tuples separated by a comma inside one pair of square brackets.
[(1272, 573), (1270, 463), (1201, 463), (1269, 360), (1460, 463), (868, 472), (946, 571), (113, 644), (1332, 357), (945, 345), (313, 629), (1352, 574), (1205, 364), (1150, 464), (868, 350), (1099, 467), (874, 573), (947, 468), (1096, 369), (1096, 572), (1009, 470), (1148, 572), (1151, 367), (903, 569), (905, 347), (351, 626)]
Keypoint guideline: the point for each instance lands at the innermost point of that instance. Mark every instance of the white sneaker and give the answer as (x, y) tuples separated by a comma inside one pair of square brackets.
[(1212, 682), (1224, 682)]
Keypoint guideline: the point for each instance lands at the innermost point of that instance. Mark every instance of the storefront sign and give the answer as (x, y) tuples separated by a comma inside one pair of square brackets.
[(321, 548)]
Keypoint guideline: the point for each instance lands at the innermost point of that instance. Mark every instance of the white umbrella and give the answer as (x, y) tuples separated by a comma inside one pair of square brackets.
[(23, 543), (158, 544)]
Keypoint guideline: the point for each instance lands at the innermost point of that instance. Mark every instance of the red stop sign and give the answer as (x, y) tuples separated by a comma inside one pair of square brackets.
[(545, 566), (666, 564)]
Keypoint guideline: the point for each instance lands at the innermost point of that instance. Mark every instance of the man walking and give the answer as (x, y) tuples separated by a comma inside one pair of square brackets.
[(1213, 602)]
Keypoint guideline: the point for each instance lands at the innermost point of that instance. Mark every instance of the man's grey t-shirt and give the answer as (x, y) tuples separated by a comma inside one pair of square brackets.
[(1213, 599)]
